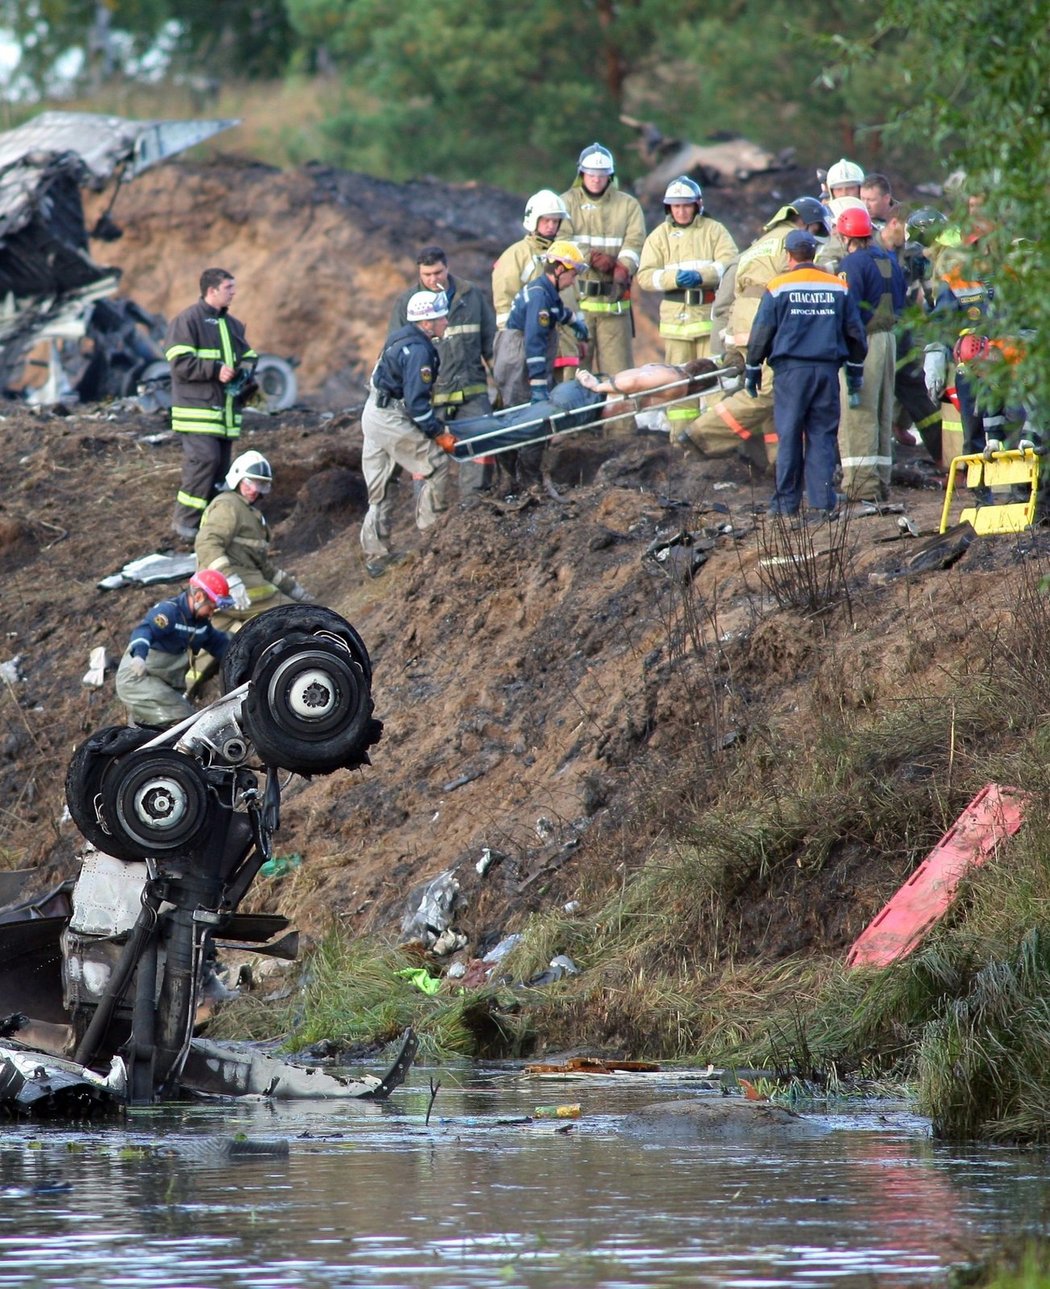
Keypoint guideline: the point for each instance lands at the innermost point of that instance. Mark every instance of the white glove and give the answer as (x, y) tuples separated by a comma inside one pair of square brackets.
[(137, 667), (303, 597), (935, 371), (238, 591)]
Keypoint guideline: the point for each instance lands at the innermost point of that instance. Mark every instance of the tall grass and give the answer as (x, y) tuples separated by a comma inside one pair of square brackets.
[(355, 993)]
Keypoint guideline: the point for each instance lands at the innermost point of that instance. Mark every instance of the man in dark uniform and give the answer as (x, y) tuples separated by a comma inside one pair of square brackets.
[(807, 324), (400, 427), (211, 367), (461, 388), (877, 287), (151, 675)]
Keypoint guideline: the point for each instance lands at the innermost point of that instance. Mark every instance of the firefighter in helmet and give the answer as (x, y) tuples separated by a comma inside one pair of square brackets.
[(544, 222), (526, 347), (736, 422), (685, 259), (234, 539), (609, 227)]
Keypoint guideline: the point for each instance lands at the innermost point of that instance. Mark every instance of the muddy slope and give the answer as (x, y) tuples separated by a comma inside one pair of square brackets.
[(537, 670)]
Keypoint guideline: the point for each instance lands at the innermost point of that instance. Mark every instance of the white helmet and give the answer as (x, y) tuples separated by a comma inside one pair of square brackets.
[(544, 204), (250, 465), (844, 172), (596, 160), (683, 190), (425, 306), (838, 204)]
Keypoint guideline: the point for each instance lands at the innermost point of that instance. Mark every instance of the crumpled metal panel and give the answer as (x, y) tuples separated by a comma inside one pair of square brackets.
[(103, 143), (47, 275)]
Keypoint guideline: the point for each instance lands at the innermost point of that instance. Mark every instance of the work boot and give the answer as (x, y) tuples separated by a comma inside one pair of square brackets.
[(378, 565), (185, 536)]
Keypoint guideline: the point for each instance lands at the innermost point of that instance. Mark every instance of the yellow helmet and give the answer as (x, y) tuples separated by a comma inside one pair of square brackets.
[(567, 254)]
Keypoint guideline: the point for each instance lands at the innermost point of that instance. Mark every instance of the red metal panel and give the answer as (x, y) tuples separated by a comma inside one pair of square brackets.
[(993, 815)]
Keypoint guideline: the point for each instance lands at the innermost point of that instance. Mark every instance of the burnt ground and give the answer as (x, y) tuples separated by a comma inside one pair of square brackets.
[(537, 672)]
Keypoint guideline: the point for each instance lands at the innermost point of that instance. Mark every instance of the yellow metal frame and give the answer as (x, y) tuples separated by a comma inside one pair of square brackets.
[(991, 470)]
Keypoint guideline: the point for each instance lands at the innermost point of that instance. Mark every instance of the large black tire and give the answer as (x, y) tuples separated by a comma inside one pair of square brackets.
[(157, 803), (272, 626), (84, 778), (309, 707)]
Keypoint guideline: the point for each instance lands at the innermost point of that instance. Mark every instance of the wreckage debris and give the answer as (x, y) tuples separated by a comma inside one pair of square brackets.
[(594, 1065), (992, 817), (116, 974), (557, 1111), (54, 292), (942, 550)]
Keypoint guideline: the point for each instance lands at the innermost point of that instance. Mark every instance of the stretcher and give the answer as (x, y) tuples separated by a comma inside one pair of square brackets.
[(543, 429)]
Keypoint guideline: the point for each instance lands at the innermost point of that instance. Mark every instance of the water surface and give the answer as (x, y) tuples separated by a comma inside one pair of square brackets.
[(356, 1194)]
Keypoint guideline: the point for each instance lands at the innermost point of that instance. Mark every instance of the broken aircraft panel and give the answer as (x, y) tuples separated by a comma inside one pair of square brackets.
[(103, 144), (48, 278)]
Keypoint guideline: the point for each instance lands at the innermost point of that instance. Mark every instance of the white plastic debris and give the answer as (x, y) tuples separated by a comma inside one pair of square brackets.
[(448, 942), (9, 671), (433, 914), (95, 676), (488, 858), (504, 947)]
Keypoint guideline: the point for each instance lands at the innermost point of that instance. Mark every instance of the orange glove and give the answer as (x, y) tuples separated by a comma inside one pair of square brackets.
[(446, 441)]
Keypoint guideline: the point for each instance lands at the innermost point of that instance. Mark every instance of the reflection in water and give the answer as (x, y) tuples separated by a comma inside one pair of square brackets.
[(367, 1195)]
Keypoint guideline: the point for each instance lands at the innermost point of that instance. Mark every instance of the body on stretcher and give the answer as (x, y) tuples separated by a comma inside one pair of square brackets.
[(570, 407)]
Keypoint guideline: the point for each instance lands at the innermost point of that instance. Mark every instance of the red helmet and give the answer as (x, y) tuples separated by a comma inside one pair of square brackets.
[(214, 586), (970, 347), (854, 223)]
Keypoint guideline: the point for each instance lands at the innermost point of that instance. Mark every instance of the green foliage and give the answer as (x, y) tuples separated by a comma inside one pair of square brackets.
[(249, 41), (782, 75), (505, 93), (1018, 1265), (47, 31), (988, 117)]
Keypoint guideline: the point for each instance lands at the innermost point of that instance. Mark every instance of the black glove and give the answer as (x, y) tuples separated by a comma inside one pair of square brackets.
[(752, 380)]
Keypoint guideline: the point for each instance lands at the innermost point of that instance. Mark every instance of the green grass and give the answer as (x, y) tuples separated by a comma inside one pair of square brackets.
[(353, 994)]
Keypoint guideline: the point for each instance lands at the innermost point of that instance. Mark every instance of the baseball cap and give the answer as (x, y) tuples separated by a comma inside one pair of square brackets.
[(799, 239)]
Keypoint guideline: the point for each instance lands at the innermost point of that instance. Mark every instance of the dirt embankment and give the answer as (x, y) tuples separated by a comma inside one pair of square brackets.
[(537, 672)]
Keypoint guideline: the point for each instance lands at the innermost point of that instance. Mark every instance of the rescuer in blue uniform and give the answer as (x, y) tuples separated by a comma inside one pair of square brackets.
[(525, 350), (151, 675), (400, 427), (807, 325), (877, 287)]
